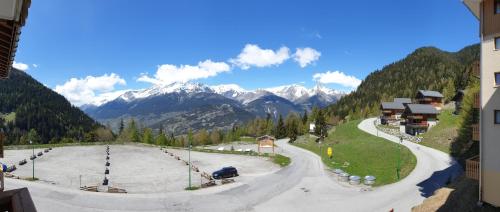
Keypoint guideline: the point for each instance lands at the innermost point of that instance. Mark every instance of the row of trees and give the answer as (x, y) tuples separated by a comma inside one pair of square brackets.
[(292, 126)]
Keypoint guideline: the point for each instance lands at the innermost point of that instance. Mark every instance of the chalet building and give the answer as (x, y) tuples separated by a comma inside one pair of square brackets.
[(419, 118), (13, 14), (433, 98), (485, 167), (392, 111), (403, 101)]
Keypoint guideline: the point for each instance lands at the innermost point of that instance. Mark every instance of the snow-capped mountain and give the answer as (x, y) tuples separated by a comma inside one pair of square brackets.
[(158, 90), (180, 106), (229, 90), (290, 92)]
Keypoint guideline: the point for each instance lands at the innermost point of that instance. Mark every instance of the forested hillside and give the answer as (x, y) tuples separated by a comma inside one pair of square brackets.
[(426, 68), (31, 111)]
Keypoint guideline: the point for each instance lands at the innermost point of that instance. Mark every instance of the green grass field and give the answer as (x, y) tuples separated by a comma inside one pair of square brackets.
[(440, 136), (359, 153)]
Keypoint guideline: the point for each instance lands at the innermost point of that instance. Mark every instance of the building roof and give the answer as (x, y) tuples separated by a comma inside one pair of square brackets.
[(264, 137), (13, 14), (392, 106), (474, 6), (430, 93), (421, 109), (403, 100)]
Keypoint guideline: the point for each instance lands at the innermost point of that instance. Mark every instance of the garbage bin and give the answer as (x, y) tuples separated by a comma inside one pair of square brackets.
[(343, 177), (370, 180), (354, 180)]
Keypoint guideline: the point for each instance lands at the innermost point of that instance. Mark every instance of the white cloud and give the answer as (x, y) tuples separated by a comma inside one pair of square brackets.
[(167, 73), (35, 65), (90, 89), (20, 66), (253, 55), (306, 56), (337, 77)]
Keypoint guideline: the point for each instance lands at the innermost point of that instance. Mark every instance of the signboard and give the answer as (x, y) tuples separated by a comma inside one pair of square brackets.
[(330, 152)]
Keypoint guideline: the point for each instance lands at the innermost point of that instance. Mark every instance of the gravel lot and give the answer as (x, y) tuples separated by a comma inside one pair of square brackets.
[(135, 168)]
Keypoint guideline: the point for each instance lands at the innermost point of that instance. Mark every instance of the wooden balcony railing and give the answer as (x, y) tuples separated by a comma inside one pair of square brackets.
[(477, 101), (472, 168), (476, 69), (415, 117), (475, 132)]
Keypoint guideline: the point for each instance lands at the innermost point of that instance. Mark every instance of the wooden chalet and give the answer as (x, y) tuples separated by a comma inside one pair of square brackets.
[(419, 118), (391, 112), (433, 98)]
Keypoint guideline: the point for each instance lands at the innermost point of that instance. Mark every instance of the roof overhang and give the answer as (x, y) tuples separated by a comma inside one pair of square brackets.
[(13, 15), (474, 6)]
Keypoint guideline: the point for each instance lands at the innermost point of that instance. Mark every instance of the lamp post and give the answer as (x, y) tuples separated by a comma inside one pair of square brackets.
[(189, 159), (398, 169), (31, 142)]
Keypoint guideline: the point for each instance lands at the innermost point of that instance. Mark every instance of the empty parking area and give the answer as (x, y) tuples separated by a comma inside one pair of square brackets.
[(135, 168)]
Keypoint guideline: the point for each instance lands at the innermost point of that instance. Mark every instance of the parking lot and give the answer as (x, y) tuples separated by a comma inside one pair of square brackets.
[(135, 168)]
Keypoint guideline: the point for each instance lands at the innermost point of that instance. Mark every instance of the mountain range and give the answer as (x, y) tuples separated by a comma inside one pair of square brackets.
[(182, 105)]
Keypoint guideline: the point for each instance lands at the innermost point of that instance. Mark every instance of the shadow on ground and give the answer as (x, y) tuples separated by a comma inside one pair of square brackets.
[(440, 179)]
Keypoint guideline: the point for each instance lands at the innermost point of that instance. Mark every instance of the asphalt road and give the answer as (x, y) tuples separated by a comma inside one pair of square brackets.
[(302, 186)]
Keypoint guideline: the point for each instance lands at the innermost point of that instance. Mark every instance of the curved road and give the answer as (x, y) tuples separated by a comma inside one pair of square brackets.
[(303, 185)]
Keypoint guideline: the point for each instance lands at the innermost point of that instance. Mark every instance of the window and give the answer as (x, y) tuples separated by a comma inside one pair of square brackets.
[(497, 116), (497, 79), (497, 6), (497, 43)]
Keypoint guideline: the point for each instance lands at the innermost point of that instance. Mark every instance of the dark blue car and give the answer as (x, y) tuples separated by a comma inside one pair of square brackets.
[(226, 172)]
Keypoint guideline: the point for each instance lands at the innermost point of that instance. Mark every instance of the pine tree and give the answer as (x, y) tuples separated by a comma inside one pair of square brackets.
[(161, 139), (147, 136), (121, 127), (280, 128), (304, 118)]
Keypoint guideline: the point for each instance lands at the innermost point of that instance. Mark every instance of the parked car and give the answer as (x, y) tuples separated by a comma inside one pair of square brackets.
[(226, 172)]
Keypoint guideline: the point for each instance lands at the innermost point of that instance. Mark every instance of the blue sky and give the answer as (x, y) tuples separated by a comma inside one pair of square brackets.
[(89, 39)]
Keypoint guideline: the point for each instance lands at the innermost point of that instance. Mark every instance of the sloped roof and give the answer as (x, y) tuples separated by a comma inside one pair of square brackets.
[(393, 106), (430, 93), (12, 18), (422, 109), (403, 100)]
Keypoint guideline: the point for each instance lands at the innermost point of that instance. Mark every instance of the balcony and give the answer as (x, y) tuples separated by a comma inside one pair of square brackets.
[(475, 132), (477, 102), (472, 168), (414, 117), (418, 125), (476, 69)]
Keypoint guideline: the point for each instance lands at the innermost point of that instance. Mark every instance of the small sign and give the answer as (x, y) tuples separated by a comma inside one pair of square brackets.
[(330, 152)]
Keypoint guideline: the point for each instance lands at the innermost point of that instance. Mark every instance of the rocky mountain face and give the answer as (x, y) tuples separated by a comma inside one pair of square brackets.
[(180, 106)]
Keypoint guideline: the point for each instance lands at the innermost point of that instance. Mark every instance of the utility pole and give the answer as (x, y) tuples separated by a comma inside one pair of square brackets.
[(189, 156)]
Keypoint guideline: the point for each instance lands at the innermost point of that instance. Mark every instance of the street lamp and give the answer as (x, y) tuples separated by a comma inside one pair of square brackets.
[(31, 142), (398, 169), (189, 158)]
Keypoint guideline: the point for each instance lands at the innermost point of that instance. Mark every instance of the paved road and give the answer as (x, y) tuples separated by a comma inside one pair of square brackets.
[(303, 185)]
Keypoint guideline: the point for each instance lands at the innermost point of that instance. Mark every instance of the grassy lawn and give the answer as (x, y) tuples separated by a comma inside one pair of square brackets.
[(359, 153), (248, 139), (281, 160), (440, 136)]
